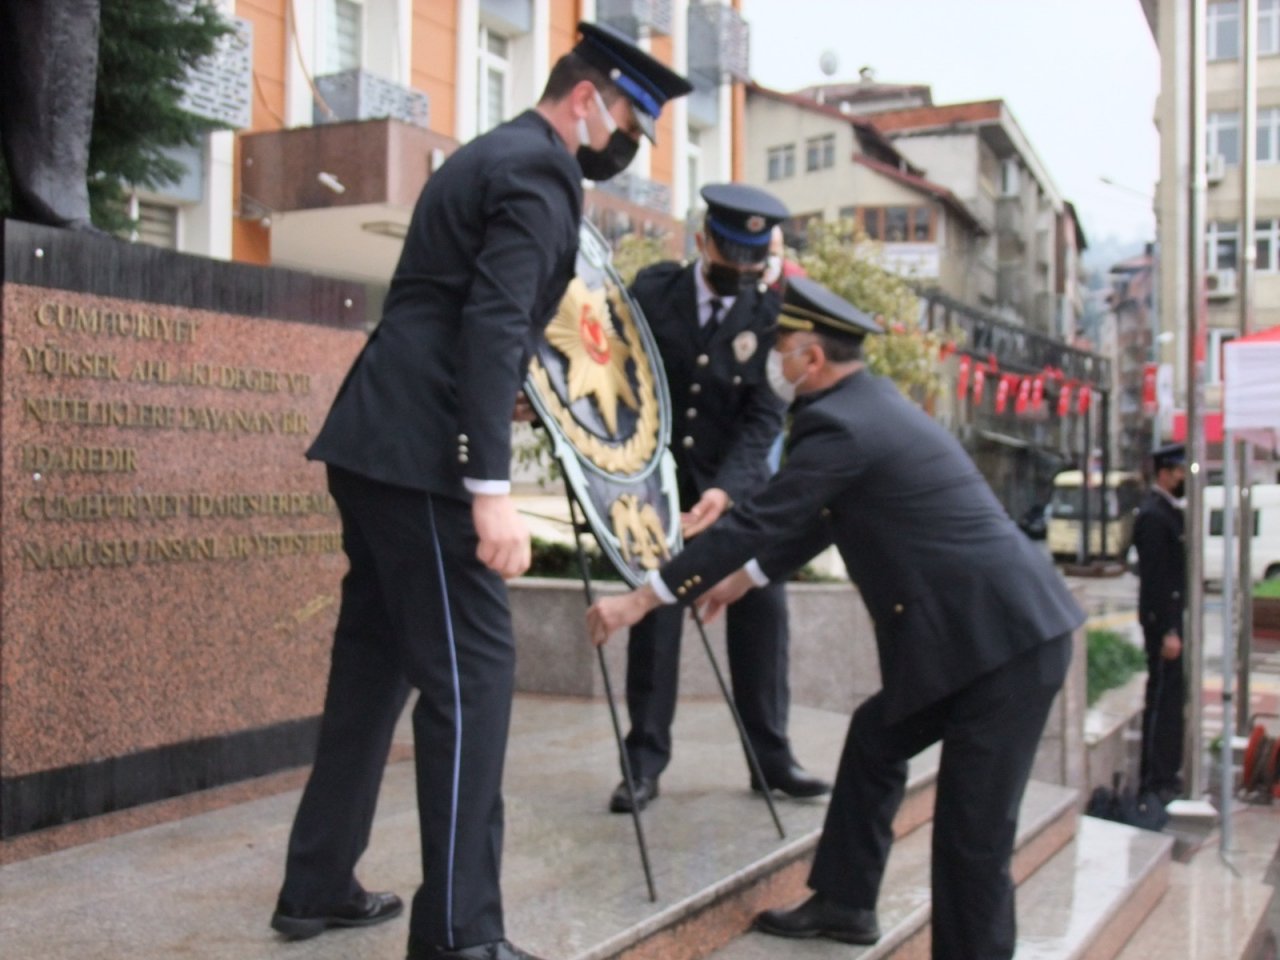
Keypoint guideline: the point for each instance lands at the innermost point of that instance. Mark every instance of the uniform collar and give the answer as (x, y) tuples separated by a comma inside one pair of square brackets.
[(706, 295), (1175, 502)]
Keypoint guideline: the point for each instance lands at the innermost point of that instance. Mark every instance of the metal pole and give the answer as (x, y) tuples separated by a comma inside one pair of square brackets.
[(608, 695), (1085, 487), (752, 761), (1245, 664), (1227, 752), (1105, 429), (1193, 630), (1248, 275)]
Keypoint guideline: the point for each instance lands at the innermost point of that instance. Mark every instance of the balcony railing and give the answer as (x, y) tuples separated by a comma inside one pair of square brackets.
[(719, 43), (638, 190), (361, 95), (633, 17)]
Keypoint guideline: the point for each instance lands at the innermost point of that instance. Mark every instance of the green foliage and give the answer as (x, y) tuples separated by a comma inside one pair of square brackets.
[(145, 50), (561, 560), (636, 251), (840, 257), (1112, 660), (1267, 588)]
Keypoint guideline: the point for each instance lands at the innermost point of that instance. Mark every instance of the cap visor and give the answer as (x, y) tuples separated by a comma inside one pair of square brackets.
[(648, 126)]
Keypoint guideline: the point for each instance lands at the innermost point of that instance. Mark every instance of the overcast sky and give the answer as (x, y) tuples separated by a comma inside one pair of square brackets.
[(1081, 77)]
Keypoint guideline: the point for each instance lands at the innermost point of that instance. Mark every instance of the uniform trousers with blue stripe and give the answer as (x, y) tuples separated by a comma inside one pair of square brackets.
[(419, 611)]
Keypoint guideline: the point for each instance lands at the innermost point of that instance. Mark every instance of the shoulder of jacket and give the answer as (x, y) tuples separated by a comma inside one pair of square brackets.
[(657, 280)]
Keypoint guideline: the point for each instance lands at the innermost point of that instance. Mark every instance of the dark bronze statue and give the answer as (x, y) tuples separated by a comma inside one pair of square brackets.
[(48, 75)]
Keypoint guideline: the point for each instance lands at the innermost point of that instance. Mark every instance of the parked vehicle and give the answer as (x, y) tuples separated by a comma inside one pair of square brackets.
[(1034, 522), (1264, 554), (1111, 505)]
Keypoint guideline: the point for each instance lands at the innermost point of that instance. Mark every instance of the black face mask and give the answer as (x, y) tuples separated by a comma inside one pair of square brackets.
[(725, 281), (1180, 489), (605, 164)]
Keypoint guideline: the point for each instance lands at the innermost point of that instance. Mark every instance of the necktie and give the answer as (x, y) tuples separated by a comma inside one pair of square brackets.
[(708, 329)]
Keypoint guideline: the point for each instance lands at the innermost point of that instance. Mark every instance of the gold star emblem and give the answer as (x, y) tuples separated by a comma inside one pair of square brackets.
[(583, 332)]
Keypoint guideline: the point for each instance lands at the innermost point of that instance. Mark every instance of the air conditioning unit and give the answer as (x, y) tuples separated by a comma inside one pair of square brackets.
[(1220, 284), (1215, 168)]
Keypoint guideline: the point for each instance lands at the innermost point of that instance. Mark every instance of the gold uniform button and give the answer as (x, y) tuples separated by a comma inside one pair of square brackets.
[(697, 579), (462, 438), (897, 608), (691, 413), (681, 591), (703, 360), (695, 389), (825, 513), (463, 458), (736, 381), (687, 442)]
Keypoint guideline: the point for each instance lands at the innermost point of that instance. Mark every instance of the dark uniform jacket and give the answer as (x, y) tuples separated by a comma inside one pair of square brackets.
[(1162, 566), (953, 586), (724, 416), (489, 253)]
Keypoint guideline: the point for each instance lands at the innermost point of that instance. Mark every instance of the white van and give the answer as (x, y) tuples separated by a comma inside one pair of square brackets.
[(1265, 553)]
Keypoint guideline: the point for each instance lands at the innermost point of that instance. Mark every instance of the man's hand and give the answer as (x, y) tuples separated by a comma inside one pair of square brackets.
[(524, 412), (1171, 647), (504, 538), (611, 614), (705, 512), (712, 603)]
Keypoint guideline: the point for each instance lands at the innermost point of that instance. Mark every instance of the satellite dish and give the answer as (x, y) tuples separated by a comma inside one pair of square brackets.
[(828, 63)]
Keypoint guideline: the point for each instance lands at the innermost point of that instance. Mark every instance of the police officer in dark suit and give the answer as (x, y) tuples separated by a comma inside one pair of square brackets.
[(714, 322), (418, 445), (972, 627), (1162, 577)]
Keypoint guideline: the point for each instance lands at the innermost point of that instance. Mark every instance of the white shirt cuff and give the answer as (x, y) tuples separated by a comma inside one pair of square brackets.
[(758, 576), (660, 588), (487, 487)]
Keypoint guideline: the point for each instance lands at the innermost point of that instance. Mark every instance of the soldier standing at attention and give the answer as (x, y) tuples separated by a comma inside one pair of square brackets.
[(714, 322), (1162, 578), (418, 448)]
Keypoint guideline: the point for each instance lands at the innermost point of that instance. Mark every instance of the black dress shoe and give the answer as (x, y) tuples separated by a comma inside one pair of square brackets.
[(362, 910), (646, 790), (494, 950), (820, 917), (794, 781)]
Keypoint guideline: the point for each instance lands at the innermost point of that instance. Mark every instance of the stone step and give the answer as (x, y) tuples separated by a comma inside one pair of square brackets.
[(1046, 825), (1213, 911), (203, 886)]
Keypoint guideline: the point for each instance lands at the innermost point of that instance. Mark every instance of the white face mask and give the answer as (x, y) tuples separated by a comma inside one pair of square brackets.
[(783, 388), (772, 270)]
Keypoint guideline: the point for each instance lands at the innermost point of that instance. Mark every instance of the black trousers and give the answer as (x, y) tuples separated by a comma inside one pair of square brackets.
[(1162, 721), (989, 732), (418, 611), (756, 627)]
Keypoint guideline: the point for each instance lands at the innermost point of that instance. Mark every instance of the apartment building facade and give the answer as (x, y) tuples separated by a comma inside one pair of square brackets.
[(1223, 253), (346, 107)]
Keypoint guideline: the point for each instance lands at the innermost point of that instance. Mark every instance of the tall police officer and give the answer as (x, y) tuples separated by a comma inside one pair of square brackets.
[(418, 445), (714, 324), (1162, 577), (972, 628)]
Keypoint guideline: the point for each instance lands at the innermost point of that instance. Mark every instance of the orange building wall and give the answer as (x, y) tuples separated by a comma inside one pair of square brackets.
[(250, 242), (662, 158), (565, 15), (434, 60)]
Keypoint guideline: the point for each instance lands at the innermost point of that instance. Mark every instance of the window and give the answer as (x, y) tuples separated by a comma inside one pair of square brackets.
[(820, 152), (897, 224), (1224, 136), (782, 161), (1224, 30), (1268, 236), (1217, 340), (795, 230), (1221, 243), (157, 225), (1216, 522), (1269, 135), (1010, 178), (1268, 27), (493, 89), (344, 36)]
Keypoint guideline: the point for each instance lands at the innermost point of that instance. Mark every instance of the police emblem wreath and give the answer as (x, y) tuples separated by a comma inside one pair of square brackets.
[(598, 386)]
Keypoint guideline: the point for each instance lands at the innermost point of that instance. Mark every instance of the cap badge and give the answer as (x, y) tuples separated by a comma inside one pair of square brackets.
[(744, 346), (755, 223)]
